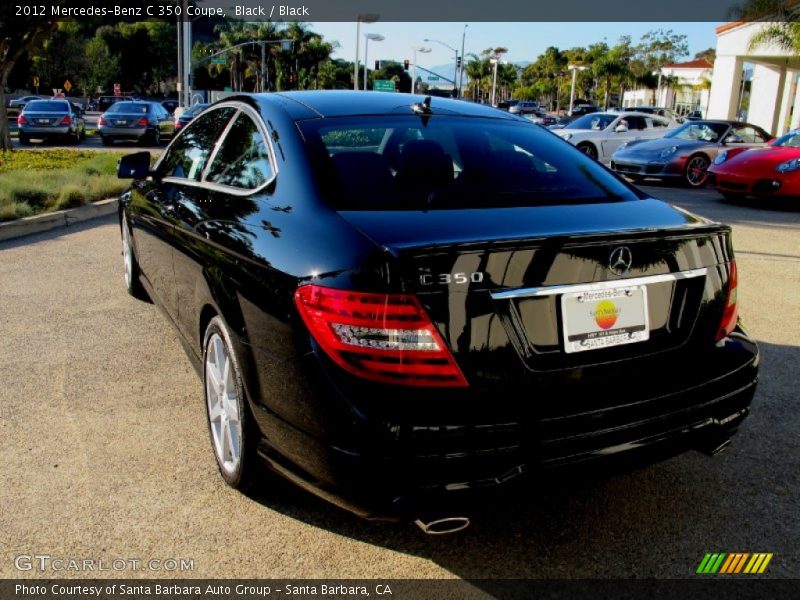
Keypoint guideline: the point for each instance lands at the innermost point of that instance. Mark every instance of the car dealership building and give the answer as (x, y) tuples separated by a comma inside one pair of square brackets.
[(774, 93)]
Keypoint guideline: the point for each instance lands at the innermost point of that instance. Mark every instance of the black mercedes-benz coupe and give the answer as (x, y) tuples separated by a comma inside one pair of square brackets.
[(398, 302)]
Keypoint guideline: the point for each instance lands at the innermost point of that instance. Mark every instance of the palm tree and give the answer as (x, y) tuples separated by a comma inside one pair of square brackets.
[(478, 69), (783, 32)]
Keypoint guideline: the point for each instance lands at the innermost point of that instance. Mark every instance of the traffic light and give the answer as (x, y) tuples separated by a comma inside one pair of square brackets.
[(458, 62), (377, 65), (406, 62)]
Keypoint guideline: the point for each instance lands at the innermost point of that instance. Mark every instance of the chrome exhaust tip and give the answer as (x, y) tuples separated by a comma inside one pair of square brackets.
[(443, 526), (720, 447)]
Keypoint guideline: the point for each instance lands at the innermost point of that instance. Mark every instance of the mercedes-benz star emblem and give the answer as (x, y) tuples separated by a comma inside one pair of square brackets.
[(620, 260)]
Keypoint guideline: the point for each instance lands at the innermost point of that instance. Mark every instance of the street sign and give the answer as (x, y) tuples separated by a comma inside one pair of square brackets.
[(383, 85), (35, 81), (218, 60), (433, 78), (118, 89), (67, 85)]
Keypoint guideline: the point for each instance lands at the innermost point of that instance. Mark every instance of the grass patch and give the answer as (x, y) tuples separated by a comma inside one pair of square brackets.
[(38, 181)]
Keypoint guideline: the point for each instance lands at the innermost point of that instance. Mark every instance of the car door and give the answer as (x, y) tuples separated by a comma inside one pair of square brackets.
[(614, 139), (154, 203), (212, 235)]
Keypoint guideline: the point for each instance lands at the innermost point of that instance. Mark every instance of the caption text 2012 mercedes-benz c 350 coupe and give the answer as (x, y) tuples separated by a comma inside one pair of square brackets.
[(402, 303)]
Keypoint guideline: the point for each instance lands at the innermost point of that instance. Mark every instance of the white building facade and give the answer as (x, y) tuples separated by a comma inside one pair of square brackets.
[(774, 97), (687, 92)]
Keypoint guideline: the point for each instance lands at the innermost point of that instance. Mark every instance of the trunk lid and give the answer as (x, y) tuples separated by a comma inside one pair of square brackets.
[(493, 281)]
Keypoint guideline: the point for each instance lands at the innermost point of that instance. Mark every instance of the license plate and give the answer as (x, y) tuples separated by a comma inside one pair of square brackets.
[(604, 318), (44, 121), (122, 122)]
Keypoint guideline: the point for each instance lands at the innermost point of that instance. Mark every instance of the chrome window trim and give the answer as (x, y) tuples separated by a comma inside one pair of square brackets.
[(597, 285), (218, 144), (240, 107)]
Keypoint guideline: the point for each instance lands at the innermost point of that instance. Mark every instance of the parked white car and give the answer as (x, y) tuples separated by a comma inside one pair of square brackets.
[(600, 134)]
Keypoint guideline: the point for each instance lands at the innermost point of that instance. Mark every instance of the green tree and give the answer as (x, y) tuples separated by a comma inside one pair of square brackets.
[(62, 57), (659, 47), (393, 71), (101, 67), (18, 36), (709, 54)]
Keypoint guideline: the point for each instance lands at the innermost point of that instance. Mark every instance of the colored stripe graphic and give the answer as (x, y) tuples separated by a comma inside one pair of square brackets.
[(734, 563)]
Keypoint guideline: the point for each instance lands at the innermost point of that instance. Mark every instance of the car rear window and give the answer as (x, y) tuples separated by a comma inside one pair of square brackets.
[(129, 107), (443, 162), (47, 106)]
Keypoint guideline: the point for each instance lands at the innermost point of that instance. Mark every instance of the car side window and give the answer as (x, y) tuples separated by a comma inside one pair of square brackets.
[(636, 123), (659, 122), (760, 137), (187, 156), (746, 134), (243, 160)]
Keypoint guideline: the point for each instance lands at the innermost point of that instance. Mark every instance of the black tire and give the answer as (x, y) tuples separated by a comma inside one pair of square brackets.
[(131, 265), (107, 141), (588, 150), (243, 475), (695, 173), (154, 138), (24, 140)]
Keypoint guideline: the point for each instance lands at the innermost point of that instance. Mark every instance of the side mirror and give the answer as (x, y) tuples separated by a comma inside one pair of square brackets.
[(733, 139), (134, 166), (621, 129)]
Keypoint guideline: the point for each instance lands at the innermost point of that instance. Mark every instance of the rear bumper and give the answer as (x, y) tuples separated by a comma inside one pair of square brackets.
[(119, 133), (45, 131), (400, 462)]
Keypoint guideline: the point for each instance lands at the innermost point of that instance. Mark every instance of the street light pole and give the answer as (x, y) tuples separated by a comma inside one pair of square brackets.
[(463, 57), (455, 66), (375, 37), (574, 69), (366, 18), (494, 62), (416, 49)]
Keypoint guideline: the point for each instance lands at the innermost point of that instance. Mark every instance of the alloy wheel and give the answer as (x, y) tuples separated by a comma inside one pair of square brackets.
[(223, 404), (127, 253), (697, 171)]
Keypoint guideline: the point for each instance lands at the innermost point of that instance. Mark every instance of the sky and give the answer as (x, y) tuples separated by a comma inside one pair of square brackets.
[(525, 41)]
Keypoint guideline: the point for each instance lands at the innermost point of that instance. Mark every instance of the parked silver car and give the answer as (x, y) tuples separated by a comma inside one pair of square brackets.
[(49, 119)]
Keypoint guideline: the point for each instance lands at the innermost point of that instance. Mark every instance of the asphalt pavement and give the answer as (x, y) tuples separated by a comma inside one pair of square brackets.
[(106, 453)]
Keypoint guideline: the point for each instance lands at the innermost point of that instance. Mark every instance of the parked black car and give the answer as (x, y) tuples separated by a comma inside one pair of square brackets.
[(396, 301), (189, 114), (583, 109), (136, 121), (49, 120), (170, 105)]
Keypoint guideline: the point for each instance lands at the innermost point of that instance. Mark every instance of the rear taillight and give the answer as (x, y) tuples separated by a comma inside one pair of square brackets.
[(21, 120), (381, 337), (102, 121), (66, 120), (178, 125), (731, 313), (142, 122)]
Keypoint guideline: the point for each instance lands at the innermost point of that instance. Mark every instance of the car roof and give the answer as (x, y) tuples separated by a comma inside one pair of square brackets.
[(343, 103)]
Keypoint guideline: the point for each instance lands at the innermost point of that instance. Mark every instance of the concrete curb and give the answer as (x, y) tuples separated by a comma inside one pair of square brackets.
[(54, 220)]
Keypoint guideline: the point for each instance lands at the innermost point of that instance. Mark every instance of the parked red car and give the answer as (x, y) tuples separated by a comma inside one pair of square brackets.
[(773, 170)]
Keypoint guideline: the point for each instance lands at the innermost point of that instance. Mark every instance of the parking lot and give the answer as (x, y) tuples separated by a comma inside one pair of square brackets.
[(107, 454)]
